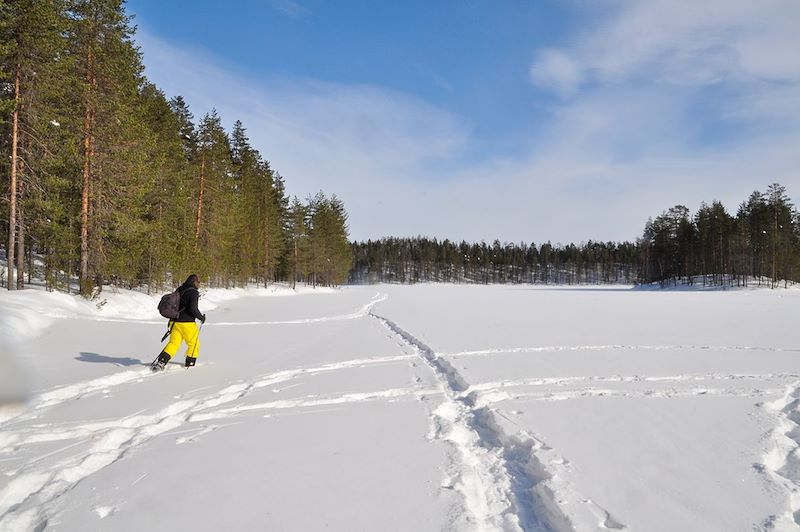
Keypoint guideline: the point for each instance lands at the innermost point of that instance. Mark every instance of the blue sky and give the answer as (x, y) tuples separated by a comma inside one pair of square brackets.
[(519, 120)]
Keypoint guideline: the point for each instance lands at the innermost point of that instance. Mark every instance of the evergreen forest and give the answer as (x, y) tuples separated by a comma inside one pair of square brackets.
[(108, 181)]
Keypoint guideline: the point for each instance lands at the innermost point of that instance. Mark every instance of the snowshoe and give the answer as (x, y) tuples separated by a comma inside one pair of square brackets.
[(161, 362)]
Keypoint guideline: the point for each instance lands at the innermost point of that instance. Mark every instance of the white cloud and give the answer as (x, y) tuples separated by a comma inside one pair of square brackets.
[(556, 70), (369, 145), (681, 42), (290, 8), (619, 147), (670, 102)]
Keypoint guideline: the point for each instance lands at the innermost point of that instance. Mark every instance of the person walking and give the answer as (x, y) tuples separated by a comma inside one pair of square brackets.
[(184, 328)]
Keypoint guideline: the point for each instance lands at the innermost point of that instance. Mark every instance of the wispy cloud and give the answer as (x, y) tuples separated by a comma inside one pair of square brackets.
[(289, 8), (369, 145), (660, 103), (681, 102), (556, 70), (681, 43)]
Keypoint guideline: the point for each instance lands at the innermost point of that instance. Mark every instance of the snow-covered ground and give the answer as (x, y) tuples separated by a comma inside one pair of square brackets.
[(428, 407)]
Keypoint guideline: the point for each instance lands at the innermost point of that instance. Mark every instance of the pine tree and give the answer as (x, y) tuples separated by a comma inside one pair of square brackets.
[(111, 70), (168, 215), (331, 258), (213, 231), (274, 217), (245, 162), (781, 231), (113, 182), (755, 217), (7, 48), (31, 44), (298, 237), (714, 231)]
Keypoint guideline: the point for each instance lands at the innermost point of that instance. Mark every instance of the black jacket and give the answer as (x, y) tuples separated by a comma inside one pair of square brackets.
[(189, 298)]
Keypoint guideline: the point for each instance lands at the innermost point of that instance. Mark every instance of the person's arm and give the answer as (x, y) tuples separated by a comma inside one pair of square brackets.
[(191, 302)]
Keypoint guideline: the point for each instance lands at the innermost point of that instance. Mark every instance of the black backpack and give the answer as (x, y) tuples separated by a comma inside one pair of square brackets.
[(170, 305)]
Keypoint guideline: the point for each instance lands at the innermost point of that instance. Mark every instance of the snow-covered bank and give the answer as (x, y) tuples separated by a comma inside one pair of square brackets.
[(29, 312), (429, 407)]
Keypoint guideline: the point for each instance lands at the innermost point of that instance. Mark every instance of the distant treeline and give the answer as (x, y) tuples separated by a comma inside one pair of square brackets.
[(108, 181), (411, 260), (761, 243)]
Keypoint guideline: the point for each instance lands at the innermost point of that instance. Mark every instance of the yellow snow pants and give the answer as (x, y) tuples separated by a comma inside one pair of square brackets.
[(180, 332)]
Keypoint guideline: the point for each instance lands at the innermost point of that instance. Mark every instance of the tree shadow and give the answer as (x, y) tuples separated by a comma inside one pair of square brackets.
[(103, 359)]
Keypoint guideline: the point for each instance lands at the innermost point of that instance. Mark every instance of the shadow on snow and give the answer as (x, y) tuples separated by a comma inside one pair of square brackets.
[(103, 359)]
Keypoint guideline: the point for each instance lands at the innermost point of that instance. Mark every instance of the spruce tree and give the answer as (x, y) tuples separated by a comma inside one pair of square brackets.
[(187, 131)]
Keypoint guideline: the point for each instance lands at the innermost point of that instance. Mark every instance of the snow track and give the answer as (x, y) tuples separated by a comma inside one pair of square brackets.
[(503, 483), (100, 444), (510, 479), (616, 347), (71, 392), (109, 442), (360, 313), (782, 459)]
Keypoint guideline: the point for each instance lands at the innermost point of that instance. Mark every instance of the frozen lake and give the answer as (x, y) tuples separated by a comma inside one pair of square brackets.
[(427, 407)]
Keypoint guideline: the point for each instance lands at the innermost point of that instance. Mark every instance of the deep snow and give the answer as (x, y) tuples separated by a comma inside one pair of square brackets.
[(428, 407)]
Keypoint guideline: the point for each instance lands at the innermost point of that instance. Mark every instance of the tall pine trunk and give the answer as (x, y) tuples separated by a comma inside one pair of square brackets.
[(200, 196), (12, 216), (20, 252), (775, 250), (20, 229), (266, 261), (294, 267), (88, 156)]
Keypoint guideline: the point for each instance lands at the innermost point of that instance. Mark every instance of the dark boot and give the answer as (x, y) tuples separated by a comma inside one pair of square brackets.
[(191, 361), (161, 362)]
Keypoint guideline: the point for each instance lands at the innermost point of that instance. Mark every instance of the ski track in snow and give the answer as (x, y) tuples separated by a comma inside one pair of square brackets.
[(41, 481), (501, 475), (501, 479), (487, 393), (508, 482), (498, 396), (362, 312), (11, 440), (70, 392), (781, 461), (612, 347), (109, 440)]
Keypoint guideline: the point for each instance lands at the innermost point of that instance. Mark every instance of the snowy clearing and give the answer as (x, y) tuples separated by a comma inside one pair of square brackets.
[(428, 407)]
